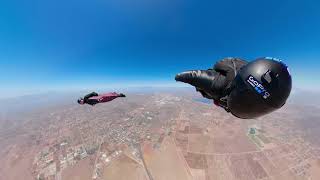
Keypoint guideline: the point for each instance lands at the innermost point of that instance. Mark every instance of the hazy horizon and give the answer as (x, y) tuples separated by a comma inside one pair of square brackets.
[(53, 52), (103, 88)]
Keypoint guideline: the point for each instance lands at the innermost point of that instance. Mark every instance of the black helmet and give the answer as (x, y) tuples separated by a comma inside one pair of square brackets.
[(260, 87), (79, 100)]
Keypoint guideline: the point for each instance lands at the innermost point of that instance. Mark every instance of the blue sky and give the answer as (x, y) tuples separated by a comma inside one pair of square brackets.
[(61, 44)]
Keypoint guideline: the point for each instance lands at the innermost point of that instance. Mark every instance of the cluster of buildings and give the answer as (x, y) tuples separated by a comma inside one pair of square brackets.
[(52, 160)]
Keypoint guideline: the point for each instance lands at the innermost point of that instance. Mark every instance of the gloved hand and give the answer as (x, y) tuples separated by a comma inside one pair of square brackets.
[(202, 80)]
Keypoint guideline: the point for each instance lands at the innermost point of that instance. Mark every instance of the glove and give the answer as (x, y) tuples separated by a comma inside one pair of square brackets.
[(202, 80)]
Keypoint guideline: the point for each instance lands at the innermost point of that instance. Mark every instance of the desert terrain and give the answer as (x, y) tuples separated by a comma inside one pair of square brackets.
[(158, 135)]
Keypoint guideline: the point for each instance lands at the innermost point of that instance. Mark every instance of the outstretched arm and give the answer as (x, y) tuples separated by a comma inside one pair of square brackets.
[(90, 95), (213, 83), (208, 82), (201, 79)]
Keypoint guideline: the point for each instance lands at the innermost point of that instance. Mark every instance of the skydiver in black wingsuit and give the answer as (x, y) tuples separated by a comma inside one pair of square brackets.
[(246, 89)]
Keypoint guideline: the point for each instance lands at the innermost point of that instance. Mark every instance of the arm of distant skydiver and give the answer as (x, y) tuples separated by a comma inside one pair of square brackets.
[(86, 97)]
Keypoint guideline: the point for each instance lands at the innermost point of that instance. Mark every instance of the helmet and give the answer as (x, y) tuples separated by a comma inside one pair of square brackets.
[(80, 100), (260, 87)]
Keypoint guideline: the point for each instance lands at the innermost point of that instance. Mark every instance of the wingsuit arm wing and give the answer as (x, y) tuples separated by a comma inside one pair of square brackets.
[(90, 95), (207, 82), (212, 83)]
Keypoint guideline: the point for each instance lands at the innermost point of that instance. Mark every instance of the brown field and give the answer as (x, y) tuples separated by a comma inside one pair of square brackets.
[(240, 167), (283, 150), (16, 159), (237, 144), (256, 169), (184, 128), (291, 159), (198, 174), (165, 163), (314, 171), (122, 168), (220, 145), (181, 141), (241, 143), (196, 161), (257, 155), (218, 168), (263, 138), (268, 165), (281, 163), (270, 153), (231, 138), (81, 171), (199, 143), (195, 129), (287, 175)]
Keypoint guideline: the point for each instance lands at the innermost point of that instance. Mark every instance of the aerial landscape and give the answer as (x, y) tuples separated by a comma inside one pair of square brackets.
[(158, 135), (159, 90)]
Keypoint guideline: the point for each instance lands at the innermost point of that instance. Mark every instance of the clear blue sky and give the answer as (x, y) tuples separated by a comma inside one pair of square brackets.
[(47, 44)]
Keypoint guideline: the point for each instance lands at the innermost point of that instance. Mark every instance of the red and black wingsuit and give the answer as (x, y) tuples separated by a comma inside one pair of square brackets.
[(95, 98)]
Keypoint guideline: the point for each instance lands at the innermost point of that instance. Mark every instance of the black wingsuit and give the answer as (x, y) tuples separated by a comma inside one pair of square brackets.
[(215, 83)]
